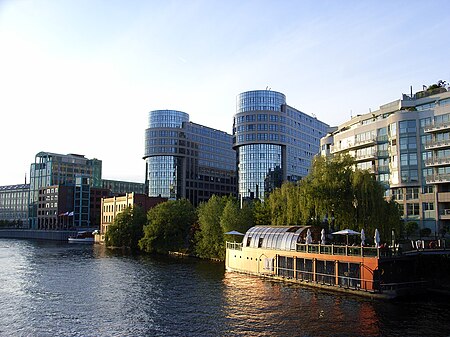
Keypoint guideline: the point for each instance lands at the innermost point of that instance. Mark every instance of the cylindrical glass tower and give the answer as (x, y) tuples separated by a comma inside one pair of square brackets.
[(161, 143), (257, 139)]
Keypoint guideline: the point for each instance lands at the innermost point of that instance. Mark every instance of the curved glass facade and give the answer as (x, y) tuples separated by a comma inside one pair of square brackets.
[(162, 176), (187, 160), (259, 169), (281, 141), (260, 100), (167, 119), (161, 143)]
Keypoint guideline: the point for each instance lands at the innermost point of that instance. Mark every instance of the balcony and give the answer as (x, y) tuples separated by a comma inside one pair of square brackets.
[(382, 139), (437, 127), (437, 162), (438, 178), (382, 169), (445, 214), (365, 157), (383, 154), (437, 144), (363, 143)]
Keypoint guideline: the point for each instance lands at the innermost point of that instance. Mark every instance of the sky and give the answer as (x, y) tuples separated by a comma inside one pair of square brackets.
[(80, 76)]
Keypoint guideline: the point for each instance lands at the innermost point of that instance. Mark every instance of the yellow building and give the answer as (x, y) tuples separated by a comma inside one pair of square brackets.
[(115, 205)]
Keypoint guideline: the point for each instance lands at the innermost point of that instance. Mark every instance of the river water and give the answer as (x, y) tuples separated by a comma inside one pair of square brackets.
[(59, 289)]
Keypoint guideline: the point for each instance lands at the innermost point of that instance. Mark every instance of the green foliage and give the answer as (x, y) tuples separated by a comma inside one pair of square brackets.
[(216, 217), (126, 229), (284, 205), (335, 188), (328, 190), (210, 238), (411, 227), (168, 227), (261, 213), (235, 218)]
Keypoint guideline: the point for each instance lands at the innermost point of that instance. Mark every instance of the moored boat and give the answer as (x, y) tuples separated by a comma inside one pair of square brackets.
[(379, 272), (82, 237)]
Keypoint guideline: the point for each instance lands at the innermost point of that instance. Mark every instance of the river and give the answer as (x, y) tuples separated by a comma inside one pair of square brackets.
[(59, 289)]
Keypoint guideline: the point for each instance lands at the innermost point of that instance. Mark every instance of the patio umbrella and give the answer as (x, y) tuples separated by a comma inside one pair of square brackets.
[(363, 237), (308, 237), (234, 233), (347, 232), (376, 238), (322, 236)]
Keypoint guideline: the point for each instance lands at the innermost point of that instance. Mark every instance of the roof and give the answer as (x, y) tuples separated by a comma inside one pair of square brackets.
[(15, 187), (271, 237)]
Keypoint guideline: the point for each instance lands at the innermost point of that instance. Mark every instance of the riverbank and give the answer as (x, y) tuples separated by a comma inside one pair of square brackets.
[(36, 234)]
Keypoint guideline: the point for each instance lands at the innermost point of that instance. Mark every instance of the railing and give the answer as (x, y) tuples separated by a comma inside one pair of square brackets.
[(338, 250), (234, 245), (385, 252), (437, 126), (343, 281), (438, 143)]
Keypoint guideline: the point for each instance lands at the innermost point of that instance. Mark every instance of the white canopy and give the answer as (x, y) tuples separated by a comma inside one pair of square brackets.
[(347, 232), (234, 233)]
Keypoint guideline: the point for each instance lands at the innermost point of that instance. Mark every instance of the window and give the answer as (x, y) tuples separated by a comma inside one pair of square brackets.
[(412, 193), (427, 189), (412, 209)]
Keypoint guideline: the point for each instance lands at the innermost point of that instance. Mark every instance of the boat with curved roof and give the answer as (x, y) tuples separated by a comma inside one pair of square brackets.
[(282, 253)]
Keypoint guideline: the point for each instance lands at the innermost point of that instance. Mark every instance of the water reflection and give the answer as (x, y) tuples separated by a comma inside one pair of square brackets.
[(50, 289)]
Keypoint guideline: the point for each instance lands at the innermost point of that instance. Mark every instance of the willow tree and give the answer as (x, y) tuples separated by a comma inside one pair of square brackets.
[(284, 205), (327, 190)]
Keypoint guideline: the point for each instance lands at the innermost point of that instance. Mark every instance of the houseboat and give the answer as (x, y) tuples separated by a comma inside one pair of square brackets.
[(82, 237), (286, 253)]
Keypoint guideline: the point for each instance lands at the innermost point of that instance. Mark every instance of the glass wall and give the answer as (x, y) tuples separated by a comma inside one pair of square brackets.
[(260, 169), (167, 118), (260, 100), (162, 176)]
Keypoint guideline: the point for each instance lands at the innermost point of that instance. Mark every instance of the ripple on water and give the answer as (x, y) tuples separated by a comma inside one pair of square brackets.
[(51, 289)]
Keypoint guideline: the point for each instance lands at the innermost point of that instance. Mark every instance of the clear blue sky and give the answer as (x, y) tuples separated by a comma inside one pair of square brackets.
[(80, 76)]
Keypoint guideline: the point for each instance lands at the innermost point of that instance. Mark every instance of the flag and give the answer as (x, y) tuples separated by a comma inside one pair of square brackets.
[(71, 213)]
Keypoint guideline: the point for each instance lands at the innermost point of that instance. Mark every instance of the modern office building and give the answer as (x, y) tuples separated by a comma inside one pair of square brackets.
[(406, 144), (51, 169), (274, 142), (187, 160), (14, 204)]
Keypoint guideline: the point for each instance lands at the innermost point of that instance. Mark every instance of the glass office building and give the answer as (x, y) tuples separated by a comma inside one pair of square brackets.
[(274, 142), (58, 169), (187, 160)]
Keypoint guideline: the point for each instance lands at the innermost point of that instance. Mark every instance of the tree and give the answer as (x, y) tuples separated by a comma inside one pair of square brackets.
[(411, 227), (127, 229), (328, 190), (209, 238), (261, 213), (168, 227), (235, 218)]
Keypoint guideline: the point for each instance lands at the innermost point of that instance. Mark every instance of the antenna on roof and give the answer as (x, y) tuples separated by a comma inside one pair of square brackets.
[(25, 178)]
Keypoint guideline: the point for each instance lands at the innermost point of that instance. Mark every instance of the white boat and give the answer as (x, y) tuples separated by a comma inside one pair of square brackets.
[(82, 237)]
